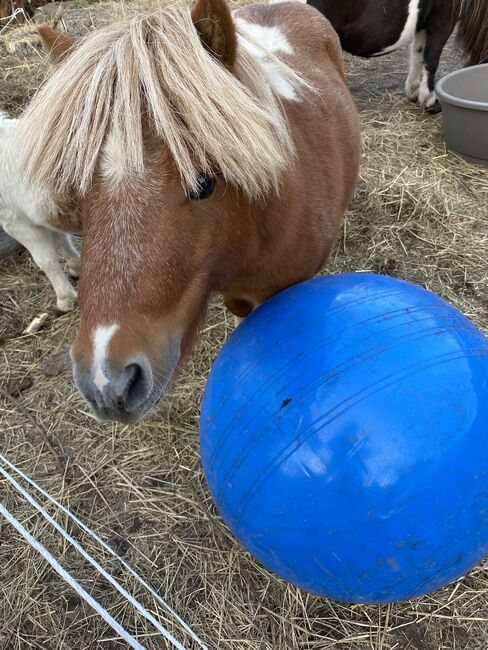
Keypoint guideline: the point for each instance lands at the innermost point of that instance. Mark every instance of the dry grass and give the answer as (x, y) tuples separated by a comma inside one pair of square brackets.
[(419, 214)]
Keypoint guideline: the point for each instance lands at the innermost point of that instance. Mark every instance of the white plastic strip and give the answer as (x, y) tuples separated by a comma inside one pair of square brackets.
[(104, 545), (70, 580), (135, 603), (12, 18)]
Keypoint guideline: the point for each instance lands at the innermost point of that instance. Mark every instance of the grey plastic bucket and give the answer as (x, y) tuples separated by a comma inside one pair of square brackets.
[(464, 98)]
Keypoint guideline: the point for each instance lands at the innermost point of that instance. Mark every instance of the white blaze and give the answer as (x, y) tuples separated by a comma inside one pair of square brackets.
[(101, 339)]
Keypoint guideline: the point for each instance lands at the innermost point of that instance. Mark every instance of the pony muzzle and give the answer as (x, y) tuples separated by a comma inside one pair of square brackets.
[(126, 393)]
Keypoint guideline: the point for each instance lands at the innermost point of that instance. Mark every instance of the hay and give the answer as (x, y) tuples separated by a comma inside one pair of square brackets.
[(419, 214), (422, 211)]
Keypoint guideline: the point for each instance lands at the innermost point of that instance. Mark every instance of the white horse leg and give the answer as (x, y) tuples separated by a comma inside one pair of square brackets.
[(69, 252), (417, 67), (427, 97), (42, 245)]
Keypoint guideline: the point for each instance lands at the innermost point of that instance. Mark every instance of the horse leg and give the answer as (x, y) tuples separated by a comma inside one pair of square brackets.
[(68, 251), (417, 48), (42, 245), (436, 40)]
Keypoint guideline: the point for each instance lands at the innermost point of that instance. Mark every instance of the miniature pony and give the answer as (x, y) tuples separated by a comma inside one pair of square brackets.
[(27, 214), (210, 152)]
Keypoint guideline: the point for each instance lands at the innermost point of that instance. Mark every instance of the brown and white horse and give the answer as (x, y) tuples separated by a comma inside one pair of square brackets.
[(207, 152), (371, 28)]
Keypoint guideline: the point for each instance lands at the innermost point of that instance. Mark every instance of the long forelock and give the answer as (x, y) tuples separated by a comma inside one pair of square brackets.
[(154, 64)]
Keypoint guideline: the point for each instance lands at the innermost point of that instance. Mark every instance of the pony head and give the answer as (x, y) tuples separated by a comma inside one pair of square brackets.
[(166, 131)]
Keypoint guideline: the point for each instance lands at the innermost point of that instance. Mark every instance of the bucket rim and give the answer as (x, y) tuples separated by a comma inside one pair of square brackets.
[(455, 100)]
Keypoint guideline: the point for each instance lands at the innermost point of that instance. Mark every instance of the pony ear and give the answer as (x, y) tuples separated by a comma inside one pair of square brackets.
[(56, 44), (213, 22)]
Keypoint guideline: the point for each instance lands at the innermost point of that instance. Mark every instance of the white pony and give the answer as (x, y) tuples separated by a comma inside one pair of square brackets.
[(25, 214)]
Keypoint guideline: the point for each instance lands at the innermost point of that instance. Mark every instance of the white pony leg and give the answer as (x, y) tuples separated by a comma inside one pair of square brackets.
[(70, 253), (427, 98), (413, 83), (41, 244)]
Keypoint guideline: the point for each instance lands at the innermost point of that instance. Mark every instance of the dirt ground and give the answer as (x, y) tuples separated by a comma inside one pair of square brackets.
[(420, 213)]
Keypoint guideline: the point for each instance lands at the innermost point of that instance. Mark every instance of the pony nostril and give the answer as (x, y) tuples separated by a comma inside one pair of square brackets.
[(134, 373), (138, 386)]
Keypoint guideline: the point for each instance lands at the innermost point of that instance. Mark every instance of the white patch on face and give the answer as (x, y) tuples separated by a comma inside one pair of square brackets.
[(100, 380), (101, 339), (264, 40), (409, 29)]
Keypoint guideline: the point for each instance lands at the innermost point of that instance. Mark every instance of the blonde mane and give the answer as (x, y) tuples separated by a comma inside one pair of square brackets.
[(155, 65)]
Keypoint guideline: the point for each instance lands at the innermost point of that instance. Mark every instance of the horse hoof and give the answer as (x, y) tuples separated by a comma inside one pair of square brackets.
[(412, 92), (434, 109), (64, 305), (428, 100), (74, 271)]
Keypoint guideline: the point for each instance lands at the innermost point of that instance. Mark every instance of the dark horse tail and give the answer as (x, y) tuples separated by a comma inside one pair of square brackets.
[(473, 28)]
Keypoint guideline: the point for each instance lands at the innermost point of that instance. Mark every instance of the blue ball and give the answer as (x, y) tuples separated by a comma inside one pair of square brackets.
[(344, 438)]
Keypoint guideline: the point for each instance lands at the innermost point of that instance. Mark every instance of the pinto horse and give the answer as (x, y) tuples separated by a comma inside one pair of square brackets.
[(372, 28), (207, 152)]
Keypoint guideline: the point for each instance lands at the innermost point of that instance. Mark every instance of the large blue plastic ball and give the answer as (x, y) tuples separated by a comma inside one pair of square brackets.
[(344, 436)]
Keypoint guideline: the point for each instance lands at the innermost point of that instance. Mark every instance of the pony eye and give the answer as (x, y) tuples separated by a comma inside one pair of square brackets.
[(204, 188)]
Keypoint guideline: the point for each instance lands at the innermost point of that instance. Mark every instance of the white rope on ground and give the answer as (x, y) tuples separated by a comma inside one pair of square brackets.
[(11, 18), (135, 603), (106, 547), (133, 643)]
